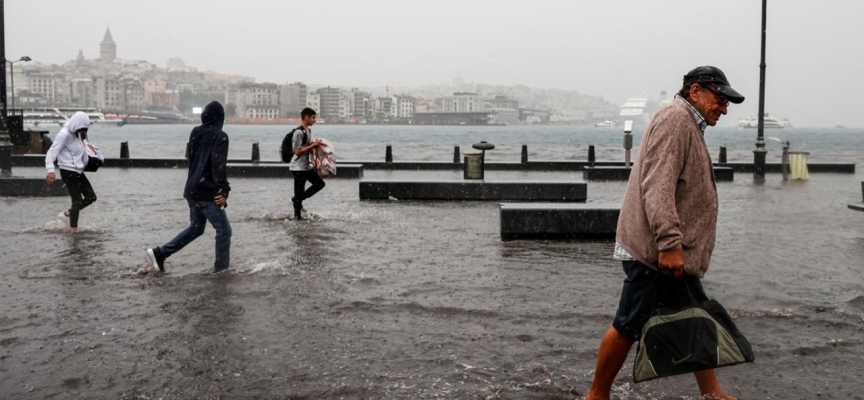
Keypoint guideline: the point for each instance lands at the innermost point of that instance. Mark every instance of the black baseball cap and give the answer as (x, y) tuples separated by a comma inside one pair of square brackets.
[(716, 77)]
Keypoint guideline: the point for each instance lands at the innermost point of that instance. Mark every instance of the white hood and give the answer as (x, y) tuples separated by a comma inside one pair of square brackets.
[(79, 120), (67, 150)]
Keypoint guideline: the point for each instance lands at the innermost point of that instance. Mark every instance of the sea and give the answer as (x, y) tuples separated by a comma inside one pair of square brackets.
[(436, 143), (410, 299)]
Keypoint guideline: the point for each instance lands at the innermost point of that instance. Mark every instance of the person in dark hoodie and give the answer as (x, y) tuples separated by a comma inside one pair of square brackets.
[(206, 190)]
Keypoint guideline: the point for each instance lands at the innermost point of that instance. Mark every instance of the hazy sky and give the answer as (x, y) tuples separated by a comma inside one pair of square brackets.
[(611, 48)]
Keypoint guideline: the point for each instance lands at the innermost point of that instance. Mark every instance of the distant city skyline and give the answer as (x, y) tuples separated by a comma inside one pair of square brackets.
[(609, 49)]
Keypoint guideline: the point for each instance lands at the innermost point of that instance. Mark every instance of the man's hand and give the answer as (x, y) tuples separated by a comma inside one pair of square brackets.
[(50, 178), (221, 200), (671, 262)]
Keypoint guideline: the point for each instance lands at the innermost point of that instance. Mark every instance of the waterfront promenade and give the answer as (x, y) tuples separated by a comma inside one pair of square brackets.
[(401, 299)]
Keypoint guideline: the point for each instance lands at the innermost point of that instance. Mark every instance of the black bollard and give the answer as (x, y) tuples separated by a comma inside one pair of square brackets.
[(862, 189), (388, 155), (124, 149), (524, 154), (456, 155), (722, 155), (256, 152), (591, 158)]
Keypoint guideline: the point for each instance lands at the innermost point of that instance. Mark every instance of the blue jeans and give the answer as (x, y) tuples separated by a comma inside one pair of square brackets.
[(199, 213)]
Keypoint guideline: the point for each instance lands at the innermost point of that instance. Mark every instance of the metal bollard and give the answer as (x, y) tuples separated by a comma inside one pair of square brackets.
[(256, 152), (862, 191), (524, 154), (722, 155), (591, 158), (628, 142), (456, 155), (388, 154), (785, 162), (124, 149)]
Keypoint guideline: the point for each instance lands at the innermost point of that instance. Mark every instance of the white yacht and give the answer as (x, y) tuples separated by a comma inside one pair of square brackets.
[(606, 124), (768, 121)]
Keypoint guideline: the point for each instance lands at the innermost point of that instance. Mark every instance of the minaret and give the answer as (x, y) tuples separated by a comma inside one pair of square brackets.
[(107, 49)]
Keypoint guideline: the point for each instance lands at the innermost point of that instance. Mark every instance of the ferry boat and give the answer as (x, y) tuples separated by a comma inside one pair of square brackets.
[(57, 116)]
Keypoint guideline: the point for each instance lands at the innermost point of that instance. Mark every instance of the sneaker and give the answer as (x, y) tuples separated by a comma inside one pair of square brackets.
[(156, 259), (64, 214)]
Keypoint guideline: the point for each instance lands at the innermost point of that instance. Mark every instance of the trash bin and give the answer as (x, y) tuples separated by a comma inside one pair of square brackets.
[(798, 165), (474, 166)]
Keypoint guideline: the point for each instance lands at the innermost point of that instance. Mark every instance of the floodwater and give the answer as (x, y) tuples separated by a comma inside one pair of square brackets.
[(399, 299)]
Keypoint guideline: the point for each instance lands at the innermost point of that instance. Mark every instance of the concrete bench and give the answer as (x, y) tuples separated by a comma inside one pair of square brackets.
[(721, 174), (559, 220), (24, 187), (560, 191), (251, 170)]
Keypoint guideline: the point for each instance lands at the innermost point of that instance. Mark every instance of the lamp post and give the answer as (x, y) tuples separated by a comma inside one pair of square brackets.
[(12, 75), (5, 144), (760, 152)]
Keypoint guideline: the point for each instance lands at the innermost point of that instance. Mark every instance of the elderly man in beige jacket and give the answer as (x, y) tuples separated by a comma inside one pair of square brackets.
[(668, 219)]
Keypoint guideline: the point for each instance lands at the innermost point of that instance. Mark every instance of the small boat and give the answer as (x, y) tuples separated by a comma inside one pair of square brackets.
[(606, 124), (839, 125)]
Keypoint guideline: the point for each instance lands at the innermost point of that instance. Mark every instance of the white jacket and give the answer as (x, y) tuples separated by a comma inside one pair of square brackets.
[(68, 149)]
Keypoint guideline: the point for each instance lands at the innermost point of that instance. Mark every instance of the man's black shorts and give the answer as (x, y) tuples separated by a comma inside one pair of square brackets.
[(642, 287)]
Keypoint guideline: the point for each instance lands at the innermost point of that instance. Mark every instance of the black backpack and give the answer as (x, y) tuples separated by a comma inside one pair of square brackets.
[(287, 150)]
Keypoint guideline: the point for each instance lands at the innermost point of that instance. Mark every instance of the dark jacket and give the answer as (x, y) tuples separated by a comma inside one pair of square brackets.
[(207, 153)]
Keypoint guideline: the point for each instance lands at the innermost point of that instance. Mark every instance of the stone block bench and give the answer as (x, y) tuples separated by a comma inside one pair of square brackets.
[(539, 221), (551, 191), (251, 170), (721, 174)]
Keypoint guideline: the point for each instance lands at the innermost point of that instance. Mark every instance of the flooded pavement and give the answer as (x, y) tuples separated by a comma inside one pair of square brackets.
[(402, 300)]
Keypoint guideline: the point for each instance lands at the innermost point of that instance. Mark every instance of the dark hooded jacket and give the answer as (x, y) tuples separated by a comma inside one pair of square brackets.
[(207, 153)]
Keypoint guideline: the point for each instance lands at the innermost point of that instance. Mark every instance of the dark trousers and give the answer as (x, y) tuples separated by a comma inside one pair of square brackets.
[(80, 191), (300, 191), (199, 213)]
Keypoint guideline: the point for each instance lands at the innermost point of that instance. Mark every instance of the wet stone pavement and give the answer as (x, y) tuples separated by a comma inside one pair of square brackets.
[(401, 300)]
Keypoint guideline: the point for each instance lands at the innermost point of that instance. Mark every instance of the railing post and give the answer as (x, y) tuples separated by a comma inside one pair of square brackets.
[(124, 150)]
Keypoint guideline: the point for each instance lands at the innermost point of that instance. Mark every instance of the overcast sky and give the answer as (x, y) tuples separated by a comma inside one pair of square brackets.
[(611, 48)]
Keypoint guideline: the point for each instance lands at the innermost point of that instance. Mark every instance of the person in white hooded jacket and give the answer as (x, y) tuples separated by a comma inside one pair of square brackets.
[(70, 153)]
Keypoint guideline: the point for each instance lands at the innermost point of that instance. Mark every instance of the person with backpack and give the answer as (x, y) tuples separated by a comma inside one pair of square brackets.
[(206, 191), (70, 151), (301, 164)]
